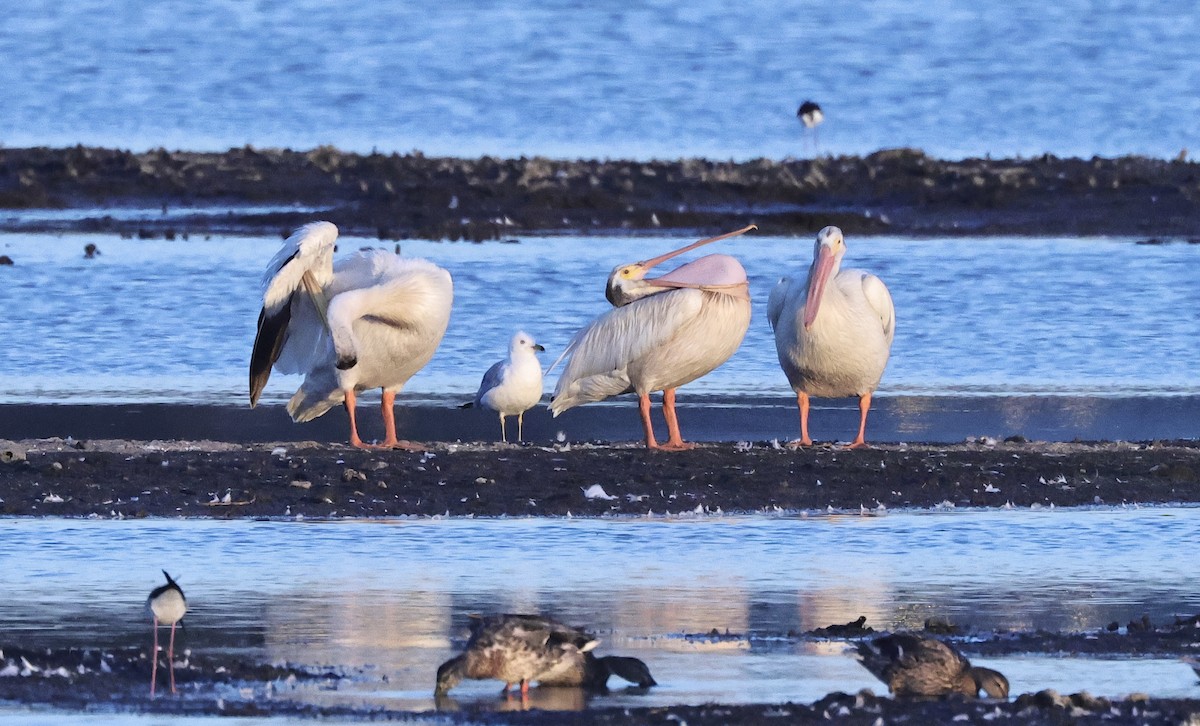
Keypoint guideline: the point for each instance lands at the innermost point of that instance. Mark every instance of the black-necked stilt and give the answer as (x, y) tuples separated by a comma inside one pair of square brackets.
[(811, 116), (167, 606)]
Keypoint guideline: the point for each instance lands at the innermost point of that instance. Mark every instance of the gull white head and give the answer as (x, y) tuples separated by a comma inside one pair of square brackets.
[(827, 258), (627, 283), (522, 343)]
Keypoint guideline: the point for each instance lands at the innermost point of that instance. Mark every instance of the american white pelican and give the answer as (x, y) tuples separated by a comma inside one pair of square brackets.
[(912, 665), (167, 606), (371, 320), (664, 332), (833, 333), (514, 385)]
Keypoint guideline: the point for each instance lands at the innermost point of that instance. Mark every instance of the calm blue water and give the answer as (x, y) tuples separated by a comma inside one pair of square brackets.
[(153, 320), (567, 78)]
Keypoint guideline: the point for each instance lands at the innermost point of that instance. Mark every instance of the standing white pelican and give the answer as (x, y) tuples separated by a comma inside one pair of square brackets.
[(371, 320), (664, 332), (833, 333), (514, 385)]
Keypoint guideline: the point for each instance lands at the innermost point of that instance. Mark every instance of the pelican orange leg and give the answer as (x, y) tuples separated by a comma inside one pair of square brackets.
[(644, 409), (675, 441), (388, 409), (864, 405), (803, 404), (351, 402)]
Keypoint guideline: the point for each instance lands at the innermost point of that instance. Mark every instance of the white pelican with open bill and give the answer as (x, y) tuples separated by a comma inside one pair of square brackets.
[(662, 333)]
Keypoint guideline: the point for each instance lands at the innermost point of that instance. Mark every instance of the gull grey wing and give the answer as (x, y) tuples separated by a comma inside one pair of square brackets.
[(491, 379)]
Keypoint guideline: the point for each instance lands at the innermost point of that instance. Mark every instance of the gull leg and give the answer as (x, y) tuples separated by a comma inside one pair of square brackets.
[(520, 426), (503, 432), (864, 405), (388, 408), (644, 408), (802, 404), (675, 441)]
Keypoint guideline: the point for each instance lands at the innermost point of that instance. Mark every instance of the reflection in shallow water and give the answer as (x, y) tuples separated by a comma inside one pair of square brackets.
[(395, 596)]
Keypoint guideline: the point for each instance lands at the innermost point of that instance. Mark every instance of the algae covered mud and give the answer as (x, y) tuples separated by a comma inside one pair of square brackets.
[(215, 479), (391, 196)]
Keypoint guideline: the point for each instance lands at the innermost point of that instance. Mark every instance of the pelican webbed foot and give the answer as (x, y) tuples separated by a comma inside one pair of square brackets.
[(401, 445), (676, 446)]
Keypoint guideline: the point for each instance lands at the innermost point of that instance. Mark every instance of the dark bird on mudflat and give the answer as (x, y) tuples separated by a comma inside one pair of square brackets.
[(911, 665), (519, 649)]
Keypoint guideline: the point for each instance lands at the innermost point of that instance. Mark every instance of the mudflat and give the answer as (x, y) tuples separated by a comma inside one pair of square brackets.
[(219, 479), (394, 196)]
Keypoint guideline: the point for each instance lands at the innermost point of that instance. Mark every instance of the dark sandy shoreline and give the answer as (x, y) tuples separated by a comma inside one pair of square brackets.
[(124, 478), (895, 191)]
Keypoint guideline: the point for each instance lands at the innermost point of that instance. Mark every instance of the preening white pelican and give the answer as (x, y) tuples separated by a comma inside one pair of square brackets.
[(514, 385), (833, 333), (662, 333), (371, 320)]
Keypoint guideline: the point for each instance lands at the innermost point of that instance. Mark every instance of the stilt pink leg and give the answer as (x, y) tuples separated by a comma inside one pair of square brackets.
[(388, 409), (644, 408), (674, 439), (154, 659), (351, 403), (864, 405), (171, 657), (803, 405)]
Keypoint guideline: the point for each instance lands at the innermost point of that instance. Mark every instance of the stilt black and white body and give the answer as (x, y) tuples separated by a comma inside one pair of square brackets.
[(811, 116), (167, 606), (514, 385)]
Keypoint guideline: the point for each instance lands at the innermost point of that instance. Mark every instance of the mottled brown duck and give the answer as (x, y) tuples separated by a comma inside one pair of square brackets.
[(911, 665)]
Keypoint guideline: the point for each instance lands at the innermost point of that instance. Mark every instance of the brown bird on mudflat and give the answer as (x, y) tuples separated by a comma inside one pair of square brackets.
[(911, 665), (519, 649)]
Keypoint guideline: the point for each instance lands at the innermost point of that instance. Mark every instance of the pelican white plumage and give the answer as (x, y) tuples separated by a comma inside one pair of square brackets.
[(662, 333), (833, 331), (514, 385), (371, 320)]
